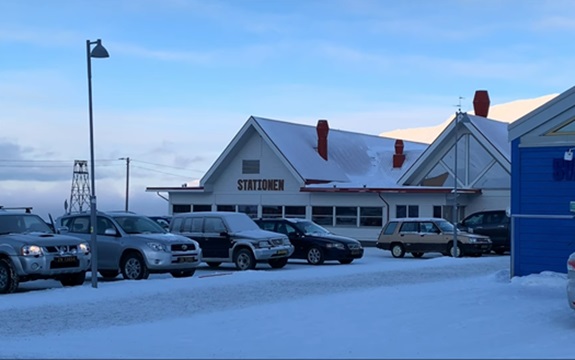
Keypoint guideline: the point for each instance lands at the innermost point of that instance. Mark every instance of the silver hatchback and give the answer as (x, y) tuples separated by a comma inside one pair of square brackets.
[(134, 245)]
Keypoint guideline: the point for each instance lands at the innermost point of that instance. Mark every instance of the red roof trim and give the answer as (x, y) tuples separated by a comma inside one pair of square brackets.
[(391, 190)]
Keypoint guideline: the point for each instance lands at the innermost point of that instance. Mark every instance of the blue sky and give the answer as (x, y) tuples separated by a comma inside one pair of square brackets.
[(183, 76)]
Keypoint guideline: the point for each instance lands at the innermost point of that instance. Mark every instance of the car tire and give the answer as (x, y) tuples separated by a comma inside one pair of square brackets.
[(213, 264), (417, 254), (76, 279), (278, 263), (244, 260), (345, 261), (397, 250), (109, 274), (134, 267), (454, 251), (183, 273), (9, 280), (500, 251), (315, 256)]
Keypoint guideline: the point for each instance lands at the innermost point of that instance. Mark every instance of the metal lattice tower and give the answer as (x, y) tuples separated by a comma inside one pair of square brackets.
[(80, 194)]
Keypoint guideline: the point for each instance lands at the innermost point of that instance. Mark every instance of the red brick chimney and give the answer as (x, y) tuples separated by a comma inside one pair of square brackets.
[(481, 103), (399, 156), (322, 130)]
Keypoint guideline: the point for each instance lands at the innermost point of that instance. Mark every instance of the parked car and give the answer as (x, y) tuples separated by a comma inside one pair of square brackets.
[(313, 242), (493, 223), (571, 280), (30, 250), (233, 237), (164, 221), (134, 245), (422, 235)]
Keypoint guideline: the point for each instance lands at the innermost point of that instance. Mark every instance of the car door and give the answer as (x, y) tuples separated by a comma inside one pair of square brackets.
[(409, 235), (110, 247), (217, 242), (296, 238), (430, 238), (191, 227), (496, 226)]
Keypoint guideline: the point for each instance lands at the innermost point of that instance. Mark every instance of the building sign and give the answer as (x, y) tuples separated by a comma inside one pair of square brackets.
[(261, 184), (563, 170)]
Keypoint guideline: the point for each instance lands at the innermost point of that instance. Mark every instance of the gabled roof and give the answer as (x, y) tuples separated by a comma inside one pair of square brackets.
[(490, 133), (546, 116), (354, 159)]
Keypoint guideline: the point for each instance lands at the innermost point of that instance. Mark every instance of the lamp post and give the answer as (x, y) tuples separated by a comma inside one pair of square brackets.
[(127, 179), (97, 52)]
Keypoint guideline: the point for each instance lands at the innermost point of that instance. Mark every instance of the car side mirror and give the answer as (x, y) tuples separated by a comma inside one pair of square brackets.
[(110, 232)]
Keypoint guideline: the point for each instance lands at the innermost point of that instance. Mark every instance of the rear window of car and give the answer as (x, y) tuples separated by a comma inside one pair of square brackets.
[(390, 228)]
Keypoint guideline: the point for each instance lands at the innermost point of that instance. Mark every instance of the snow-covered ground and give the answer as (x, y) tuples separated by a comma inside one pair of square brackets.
[(377, 307)]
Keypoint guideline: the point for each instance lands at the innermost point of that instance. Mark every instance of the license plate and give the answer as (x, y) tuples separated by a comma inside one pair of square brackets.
[(186, 259), (65, 259), (356, 252), (281, 252)]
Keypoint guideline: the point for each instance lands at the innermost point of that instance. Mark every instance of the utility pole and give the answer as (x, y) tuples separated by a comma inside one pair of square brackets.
[(127, 180)]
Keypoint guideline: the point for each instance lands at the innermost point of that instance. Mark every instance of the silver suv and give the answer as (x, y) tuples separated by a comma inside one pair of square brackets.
[(29, 250), (233, 237), (134, 245), (421, 235)]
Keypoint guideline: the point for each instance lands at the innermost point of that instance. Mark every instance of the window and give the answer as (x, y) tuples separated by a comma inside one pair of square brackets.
[(103, 225), (177, 224), (346, 215), (390, 228), (80, 225), (197, 225), (322, 215), (402, 211), (370, 216), (214, 225), (437, 213), (295, 211), (199, 208), (408, 227), (267, 225), (187, 227), (176, 208), (250, 166), (428, 227), (250, 210), (271, 211), (226, 208)]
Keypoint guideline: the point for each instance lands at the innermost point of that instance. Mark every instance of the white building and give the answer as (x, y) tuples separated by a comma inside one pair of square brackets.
[(353, 183)]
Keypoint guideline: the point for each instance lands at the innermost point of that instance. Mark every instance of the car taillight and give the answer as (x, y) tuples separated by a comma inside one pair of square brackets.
[(571, 265)]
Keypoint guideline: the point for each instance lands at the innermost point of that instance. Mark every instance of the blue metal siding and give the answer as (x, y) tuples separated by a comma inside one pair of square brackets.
[(540, 244)]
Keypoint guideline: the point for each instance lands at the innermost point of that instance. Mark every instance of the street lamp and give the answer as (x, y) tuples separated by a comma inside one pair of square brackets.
[(127, 179), (97, 52)]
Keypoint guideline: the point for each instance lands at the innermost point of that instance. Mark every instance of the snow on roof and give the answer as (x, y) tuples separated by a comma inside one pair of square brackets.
[(354, 160)]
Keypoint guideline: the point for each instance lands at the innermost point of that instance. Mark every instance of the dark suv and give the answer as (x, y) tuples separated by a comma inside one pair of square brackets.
[(492, 223), (314, 243)]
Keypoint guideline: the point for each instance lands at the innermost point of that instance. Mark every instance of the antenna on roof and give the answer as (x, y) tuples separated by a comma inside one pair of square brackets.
[(459, 104)]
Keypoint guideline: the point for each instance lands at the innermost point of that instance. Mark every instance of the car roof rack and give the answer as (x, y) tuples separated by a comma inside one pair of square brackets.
[(27, 209)]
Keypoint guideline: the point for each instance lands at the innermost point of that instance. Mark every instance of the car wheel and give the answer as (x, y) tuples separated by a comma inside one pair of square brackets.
[(244, 260), (315, 256), (417, 254), (345, 261), (500, 251), (278, 263), (213, 264), (454, 251), (183, 273), (134, 267), (109, 274), (8, 278), (76, 279), (397, 250)]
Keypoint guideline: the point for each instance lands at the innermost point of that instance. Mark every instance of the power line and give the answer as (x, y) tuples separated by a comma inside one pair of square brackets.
[(169, 166), (161, 172)]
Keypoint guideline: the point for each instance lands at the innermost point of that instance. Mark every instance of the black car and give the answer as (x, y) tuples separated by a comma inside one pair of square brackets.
[(492, 223), (164, 221), (313, 242)]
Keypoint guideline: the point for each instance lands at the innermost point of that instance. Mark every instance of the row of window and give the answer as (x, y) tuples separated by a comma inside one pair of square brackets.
[(351, 216)]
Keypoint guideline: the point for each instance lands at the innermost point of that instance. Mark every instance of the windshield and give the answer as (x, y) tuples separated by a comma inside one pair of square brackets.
[(310, 228), (445, 226), (139, 225), (240, 222), (20, 224)]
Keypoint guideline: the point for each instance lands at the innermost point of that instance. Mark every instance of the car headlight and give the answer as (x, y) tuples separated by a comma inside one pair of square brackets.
[(335, 245), (84, 248), (32, 250), (264, 244), (157, 246), (473, 240)]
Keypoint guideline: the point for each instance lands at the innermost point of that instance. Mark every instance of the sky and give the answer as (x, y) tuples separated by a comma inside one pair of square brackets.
[(183, 76), (377, 307)]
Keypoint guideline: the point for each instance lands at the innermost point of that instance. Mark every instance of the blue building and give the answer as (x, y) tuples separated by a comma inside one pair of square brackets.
[(543, 187)]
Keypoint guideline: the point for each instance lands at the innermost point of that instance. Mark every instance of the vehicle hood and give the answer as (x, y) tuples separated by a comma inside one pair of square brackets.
[(332, 238), (168, 238), (41, 239), (257, 234)]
